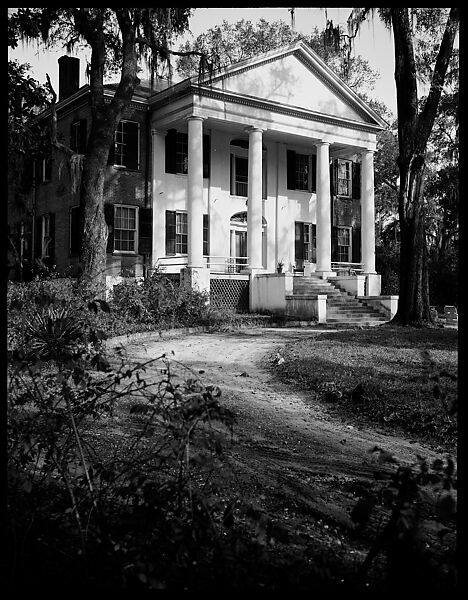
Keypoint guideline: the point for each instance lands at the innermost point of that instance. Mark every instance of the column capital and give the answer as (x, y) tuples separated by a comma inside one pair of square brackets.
[(252, 128), (322, 143), (195, 118), (367, 151), (158, 131)]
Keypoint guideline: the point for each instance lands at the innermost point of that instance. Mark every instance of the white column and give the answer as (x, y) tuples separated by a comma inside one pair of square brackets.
[(254, 206), (323, 209), (195, 192), (367, 211), (158, 195)]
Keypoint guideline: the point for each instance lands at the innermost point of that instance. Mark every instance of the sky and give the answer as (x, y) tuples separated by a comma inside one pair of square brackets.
[(374, 42)]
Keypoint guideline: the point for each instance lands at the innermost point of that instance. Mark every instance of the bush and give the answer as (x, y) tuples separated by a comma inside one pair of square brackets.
[(158, 303)]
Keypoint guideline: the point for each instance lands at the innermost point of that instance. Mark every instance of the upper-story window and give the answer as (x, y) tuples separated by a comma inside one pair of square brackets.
[(78, 136), (43, 170), (240, 168), (347, 175), (125, 151), (301, 171), (177, 153)]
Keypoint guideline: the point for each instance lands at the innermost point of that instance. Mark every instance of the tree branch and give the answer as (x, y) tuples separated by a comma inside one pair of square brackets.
[(53, 130), (428, 114)]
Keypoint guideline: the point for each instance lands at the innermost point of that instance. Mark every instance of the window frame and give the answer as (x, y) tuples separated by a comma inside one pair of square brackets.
[(122, 143), (242, 152), (135, 230), (340, 230), (45, 236), (308, 165), (348, 164)]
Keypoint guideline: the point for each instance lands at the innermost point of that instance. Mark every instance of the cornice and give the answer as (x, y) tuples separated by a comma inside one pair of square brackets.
[(289, 111)]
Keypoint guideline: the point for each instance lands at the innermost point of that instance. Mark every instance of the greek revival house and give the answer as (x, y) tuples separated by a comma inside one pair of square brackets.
[(255, 185)]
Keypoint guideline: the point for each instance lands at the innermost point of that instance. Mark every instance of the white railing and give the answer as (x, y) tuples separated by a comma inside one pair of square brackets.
[(350, 268), (227, 264), (216, 264)]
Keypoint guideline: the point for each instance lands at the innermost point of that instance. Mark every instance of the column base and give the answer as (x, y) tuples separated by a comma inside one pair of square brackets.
[(198, 278), (373, 284)]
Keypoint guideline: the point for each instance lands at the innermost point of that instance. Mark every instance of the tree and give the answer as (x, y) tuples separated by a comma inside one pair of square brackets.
[(26, 141), (415, 124), (230, 43), (120, 39)]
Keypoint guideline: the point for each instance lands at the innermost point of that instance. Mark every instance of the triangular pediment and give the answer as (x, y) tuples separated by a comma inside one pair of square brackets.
[(295, 78)]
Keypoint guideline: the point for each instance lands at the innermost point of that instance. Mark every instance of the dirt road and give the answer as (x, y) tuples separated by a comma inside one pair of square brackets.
[(289, 457)]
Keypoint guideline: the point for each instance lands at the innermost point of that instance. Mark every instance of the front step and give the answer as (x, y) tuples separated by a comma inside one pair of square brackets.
[(342, 307)]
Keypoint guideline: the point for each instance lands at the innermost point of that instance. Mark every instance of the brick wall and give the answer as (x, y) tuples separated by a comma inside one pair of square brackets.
[(121, 186)]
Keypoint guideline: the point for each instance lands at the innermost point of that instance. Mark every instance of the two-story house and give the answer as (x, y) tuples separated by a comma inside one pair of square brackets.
[(268, 163)]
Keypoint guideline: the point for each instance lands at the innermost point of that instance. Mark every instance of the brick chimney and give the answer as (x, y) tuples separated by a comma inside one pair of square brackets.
[(69, 76)]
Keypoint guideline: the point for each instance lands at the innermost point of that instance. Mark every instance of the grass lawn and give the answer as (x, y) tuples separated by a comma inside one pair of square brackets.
[(399, 378)]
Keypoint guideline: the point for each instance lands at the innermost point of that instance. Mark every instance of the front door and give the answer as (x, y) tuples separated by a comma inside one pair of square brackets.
[(240, 249)]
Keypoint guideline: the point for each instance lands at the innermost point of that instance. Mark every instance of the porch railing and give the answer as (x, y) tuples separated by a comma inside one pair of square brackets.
[(348, 268), (216, 264)]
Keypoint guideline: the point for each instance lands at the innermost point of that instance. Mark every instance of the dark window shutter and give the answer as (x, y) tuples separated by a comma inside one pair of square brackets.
[(47, 169), (206, 156), (75, 230), (51, 246), (233, 187), (145, 232), (38, 239), (314, 244), (171, 149), (83, 136), (356, 244), (170, 232), (356, 175), (131, 138), (314, 173), (206, 235), (291, 169), (109, 217), (334, 245), (333, 177), (299, 241)]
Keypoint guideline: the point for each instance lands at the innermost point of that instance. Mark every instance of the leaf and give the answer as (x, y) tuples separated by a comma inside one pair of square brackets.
[(447, 507)]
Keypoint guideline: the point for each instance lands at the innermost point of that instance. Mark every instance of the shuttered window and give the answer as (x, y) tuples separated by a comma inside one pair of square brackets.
[(301, 171), (176, 153), (125, 151), (177, 233), (78, 136)]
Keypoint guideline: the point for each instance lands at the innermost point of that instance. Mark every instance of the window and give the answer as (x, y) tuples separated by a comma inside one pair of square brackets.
[(74, 230), (239, 174), (43, 170), (177, 153), (181, 153), (305, 244), (177, 233), (181, 233), (344, 244), (301, 171), (78, 136), (344, 178), (45, 239), (240, 169), (125, 151), (125, 228)]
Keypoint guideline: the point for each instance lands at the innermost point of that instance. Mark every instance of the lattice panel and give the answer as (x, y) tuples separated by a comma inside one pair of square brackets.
[(230, 293)]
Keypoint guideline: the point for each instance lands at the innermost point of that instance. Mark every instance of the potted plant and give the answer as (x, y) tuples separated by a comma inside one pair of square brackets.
[(279, 266)]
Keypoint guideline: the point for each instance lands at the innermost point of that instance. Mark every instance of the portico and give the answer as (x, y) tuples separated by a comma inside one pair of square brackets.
[(296, 156)]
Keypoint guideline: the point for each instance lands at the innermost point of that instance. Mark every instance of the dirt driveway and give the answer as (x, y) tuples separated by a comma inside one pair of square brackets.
[(290, 459)]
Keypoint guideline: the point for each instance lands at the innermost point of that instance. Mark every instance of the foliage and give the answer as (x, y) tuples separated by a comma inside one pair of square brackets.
[(415, 560), (128, 510), (230, 43)]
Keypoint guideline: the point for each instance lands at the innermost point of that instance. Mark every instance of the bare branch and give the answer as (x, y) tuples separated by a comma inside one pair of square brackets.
[(53, 129)]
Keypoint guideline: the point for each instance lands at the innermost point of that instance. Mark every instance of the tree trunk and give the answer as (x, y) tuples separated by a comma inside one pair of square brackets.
[(413, 305), (414, 128)]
